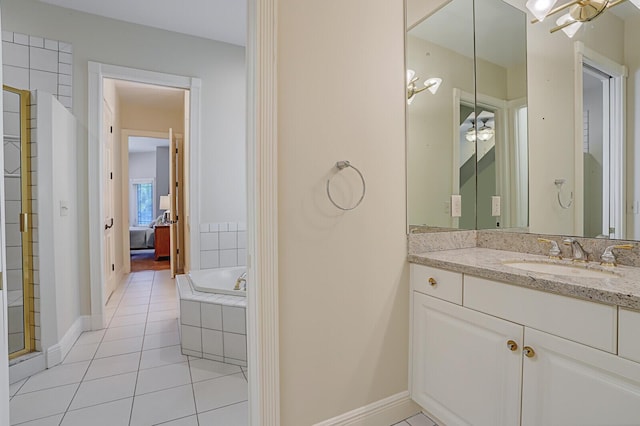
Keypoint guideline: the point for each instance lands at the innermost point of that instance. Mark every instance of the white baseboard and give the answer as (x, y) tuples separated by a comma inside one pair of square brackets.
[(383, 412), (57, 352)]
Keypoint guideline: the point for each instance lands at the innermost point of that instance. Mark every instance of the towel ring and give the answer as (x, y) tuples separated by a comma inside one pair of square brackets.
[(341, 165), (559, 183)]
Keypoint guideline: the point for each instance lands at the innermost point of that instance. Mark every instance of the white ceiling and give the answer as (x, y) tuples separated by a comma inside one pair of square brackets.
[(222, 20), (141, 144)]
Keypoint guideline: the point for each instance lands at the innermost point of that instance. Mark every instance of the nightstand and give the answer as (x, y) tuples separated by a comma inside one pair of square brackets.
[(162, 241)]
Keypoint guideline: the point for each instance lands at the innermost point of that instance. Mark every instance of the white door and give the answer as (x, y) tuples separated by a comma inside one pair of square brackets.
[(4, 358), (569, 384), (464, 372), (108, 209), (173, 186)]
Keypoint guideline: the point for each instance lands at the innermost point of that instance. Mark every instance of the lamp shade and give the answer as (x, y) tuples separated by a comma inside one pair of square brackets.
[(164, 202)]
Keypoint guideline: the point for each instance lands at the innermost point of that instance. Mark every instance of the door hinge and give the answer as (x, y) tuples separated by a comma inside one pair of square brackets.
[(176, 150), (177, 251), (111, 175), (110, 129), (176, 184), (113, 267)]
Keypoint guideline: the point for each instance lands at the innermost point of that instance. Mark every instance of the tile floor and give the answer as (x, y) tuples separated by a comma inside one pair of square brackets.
[(133, 373), (417, 420)]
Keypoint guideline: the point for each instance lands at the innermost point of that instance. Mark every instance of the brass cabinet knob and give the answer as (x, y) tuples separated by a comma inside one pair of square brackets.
[(513, 346), (433, 282), (528, 352)]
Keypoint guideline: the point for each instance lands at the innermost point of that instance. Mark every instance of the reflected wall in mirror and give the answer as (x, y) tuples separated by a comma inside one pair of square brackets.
[(470, 139)]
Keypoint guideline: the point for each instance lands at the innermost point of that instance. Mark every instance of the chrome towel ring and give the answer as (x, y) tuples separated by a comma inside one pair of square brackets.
[(341, 165)]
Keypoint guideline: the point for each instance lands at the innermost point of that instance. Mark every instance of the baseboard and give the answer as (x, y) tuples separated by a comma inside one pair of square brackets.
[(57, 352), (380, 413)]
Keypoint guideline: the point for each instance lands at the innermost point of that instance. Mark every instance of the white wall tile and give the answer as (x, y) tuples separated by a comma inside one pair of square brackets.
[(43, 60), (242, 257), (65, 80), (36, 41), (65, 100), (213, 227), (64, 90), (11, 102), (14, 236), (16, 55), (235, 346), (212, 342), (15, 77), (211, 316), (242, 239), (228, 258), (14, 280), (7, 36), (12, 211), (65, 58), (11, 127), (218, 358), (51, 44), (21, 38), (45, 81), (209, 259), (242, 226), (228, 240), (14, 258), (191, 338), (65, 69), (204, 227), (234, 319), (222, 227), (65, 47), (232, 226), (209, 241), (190, 313)]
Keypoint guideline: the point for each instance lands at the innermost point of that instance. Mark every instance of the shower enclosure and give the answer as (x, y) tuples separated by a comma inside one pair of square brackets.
[(17, 181)]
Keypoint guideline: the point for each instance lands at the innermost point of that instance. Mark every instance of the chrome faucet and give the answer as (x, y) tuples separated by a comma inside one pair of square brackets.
[(608, 258), (241, 279), (579, 254), (554, 251)]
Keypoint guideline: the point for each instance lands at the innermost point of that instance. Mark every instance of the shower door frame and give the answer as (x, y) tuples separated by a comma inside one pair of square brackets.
[(25, 223)]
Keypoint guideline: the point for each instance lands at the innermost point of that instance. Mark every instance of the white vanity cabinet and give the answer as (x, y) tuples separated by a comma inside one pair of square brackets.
[(496, 358)]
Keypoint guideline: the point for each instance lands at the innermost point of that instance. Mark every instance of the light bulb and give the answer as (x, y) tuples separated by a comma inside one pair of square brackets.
[(540, 8), (572, 29)]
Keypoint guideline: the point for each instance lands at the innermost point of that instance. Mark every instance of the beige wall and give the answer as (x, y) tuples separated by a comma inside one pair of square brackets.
[(344, 310), (153, 119), (632, 60)]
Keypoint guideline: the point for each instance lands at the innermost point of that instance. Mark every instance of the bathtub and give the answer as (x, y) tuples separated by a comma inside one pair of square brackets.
[(220, 281)]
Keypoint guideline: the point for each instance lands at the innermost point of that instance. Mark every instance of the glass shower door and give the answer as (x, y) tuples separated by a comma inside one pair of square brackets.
[(17, 181)]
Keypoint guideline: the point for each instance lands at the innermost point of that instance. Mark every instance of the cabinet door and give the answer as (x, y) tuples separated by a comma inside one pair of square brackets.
[(566, 383), (463, 371)]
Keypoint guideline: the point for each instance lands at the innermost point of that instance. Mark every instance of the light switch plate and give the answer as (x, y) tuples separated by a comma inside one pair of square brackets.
[(495, 205), (456, 205)]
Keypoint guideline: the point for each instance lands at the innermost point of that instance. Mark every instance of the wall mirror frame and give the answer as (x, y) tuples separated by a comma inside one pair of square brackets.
[(581, 180)]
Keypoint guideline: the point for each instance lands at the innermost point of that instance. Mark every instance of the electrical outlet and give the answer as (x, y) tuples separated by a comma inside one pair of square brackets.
[(456, 205), (495, 205)]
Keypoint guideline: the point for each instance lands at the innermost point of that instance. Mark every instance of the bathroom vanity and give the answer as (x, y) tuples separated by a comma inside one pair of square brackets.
[(492, 344)]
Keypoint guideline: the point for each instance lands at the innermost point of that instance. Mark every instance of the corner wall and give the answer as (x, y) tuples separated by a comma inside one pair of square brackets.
[(343, 276)]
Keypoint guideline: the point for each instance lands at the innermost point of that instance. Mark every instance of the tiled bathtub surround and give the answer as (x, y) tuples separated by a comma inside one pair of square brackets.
[(223, 245), (35, 63), (422, 240), (212, 326)]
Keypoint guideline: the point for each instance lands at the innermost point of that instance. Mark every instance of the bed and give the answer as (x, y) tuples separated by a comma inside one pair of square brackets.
[(141, 237)]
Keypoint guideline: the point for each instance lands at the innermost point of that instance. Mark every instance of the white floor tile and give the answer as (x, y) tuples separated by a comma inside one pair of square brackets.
[(163, 306), (165, 377), (119, 321), (90, 337), (165, 326), (134, 301), (161, 340), (94, 392), (420, 420), (59, 375), (162, 406), (216, 393), (114, 413), (185, 421), (204, 369), (15, 387), (47, 421), (162, 315), (124, 311), (162, 356), (119, 347), (113, 365), (36, 405), (236, 415), (81, 353), (125, 332)]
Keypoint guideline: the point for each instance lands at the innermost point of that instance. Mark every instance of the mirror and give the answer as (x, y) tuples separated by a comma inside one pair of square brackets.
[(565, 164), (467, 139)]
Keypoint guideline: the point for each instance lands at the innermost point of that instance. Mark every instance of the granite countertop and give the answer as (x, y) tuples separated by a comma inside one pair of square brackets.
[(621, 288)]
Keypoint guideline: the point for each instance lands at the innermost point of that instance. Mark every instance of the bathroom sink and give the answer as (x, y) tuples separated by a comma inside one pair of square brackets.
[(577, 271)]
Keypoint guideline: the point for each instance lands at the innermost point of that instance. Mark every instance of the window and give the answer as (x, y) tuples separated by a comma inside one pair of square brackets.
[(142, 199)]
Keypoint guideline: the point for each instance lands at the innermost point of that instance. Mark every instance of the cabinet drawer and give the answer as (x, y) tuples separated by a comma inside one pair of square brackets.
[(629, 334), (435, 282), (589, 323)]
